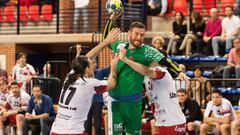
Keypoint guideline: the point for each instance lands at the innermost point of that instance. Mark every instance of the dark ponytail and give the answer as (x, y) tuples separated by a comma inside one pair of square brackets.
[(79, 64)]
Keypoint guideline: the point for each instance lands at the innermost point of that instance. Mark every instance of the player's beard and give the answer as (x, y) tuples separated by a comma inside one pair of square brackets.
[(135, 43)]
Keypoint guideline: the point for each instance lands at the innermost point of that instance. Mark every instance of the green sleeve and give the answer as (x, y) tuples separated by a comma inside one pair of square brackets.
[(152, 54)]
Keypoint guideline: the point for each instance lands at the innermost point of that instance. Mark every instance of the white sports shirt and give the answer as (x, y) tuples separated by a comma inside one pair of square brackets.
[(15, 103), (20, 74), (163, 94), (3, 98), (225, 109), (74, 105)]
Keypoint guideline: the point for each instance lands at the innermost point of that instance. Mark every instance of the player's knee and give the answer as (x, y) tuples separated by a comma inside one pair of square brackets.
[(191, 126), (19, 117), (203, 127), (224, 127)]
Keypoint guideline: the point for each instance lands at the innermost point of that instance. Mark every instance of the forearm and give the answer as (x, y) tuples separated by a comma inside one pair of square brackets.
[(96, 50), (231, 64), (140, 68), (225, 120), (112, 79), (44, 115)]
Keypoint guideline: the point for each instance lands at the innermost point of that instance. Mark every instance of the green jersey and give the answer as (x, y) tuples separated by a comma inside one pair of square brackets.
[(129, 81)]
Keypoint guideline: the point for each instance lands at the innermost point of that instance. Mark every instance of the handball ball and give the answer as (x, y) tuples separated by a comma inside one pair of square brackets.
[(114, 6)]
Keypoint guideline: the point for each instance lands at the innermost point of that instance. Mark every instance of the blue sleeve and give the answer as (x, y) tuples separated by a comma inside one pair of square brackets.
[(102, 73), (47, 105), (30, 105)]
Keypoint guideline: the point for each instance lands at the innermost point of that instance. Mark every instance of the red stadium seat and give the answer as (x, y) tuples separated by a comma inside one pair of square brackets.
[(47, 12), (23, 14), (1, 15), (34, 13), (180, 5), (223, 4), (208, 4), (197, 5), (9, 14)]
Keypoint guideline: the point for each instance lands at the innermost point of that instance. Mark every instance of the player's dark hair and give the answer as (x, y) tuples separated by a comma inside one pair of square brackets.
[(37, 85), (14, 83), (21, 54), (137, 25), (79, 64), (181, 90), (217, 91)]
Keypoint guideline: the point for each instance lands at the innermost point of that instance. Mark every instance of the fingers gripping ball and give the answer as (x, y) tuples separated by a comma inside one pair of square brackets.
[(114, 6)]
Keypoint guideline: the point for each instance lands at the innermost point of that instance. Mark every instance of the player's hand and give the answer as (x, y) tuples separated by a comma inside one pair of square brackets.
[(182, 76), (122, 53), (28, 116), (78, 48), (114, 15), (112, 36)]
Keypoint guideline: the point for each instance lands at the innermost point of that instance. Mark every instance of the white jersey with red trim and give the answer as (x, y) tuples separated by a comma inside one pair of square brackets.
[(15, 103), (74, 105), (162, 92), (21, 74), (3, 98), (225, 109)]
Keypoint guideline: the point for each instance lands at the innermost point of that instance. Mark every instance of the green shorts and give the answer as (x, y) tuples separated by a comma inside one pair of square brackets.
[(125, 116)]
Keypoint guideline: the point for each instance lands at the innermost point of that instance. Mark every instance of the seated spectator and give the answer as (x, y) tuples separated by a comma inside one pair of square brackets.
[(192, 112), (23, 72), (158, 43), (179, 30), (157, 7), (213, 28), (230, 29), (222, 112), (235, 125), (47, 71), (44, 113), (4, 92), (197, 26), (233, 63), (198, 87), (15, 108)]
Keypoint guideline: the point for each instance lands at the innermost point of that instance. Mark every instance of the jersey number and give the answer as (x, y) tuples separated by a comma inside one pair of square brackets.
[(70, 95)]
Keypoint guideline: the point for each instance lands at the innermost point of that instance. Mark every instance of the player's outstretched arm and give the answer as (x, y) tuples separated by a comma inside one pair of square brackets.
[(142, 69), (111, 38), (112, 79)]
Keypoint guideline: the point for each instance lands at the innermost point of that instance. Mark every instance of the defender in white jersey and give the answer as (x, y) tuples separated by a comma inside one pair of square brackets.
[(15, 108), (160, 87), (218, 115), (23, 72), (76, 97)]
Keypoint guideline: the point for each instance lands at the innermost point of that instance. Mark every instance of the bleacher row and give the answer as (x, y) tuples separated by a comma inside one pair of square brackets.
[(8, 13), (202, 6)]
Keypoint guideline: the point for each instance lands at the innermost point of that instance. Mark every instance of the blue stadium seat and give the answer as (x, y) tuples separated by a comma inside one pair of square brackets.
[(221, 59), (207, 58), (189, 74), (207, 73)]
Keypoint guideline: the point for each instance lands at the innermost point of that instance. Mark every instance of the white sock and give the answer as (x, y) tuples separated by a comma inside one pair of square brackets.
[(19, 132), (1, 132)]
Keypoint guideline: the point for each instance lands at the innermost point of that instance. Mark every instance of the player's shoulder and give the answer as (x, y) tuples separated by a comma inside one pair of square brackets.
[(24, 95)]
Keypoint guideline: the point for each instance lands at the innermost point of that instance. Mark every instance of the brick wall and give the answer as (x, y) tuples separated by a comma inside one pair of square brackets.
[(9, 50)]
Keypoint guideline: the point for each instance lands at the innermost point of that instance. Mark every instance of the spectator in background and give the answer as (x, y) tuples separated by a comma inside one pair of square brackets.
[(213, 28), (47, 68), (223, 113), (197, 26), (230, 29), (157, 7), (179, 30), (198, 87), (23, 72), (233, 63), (81, 9), (44, 113), (3, 72), (191, 110), (15, 107), (158, 43)]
